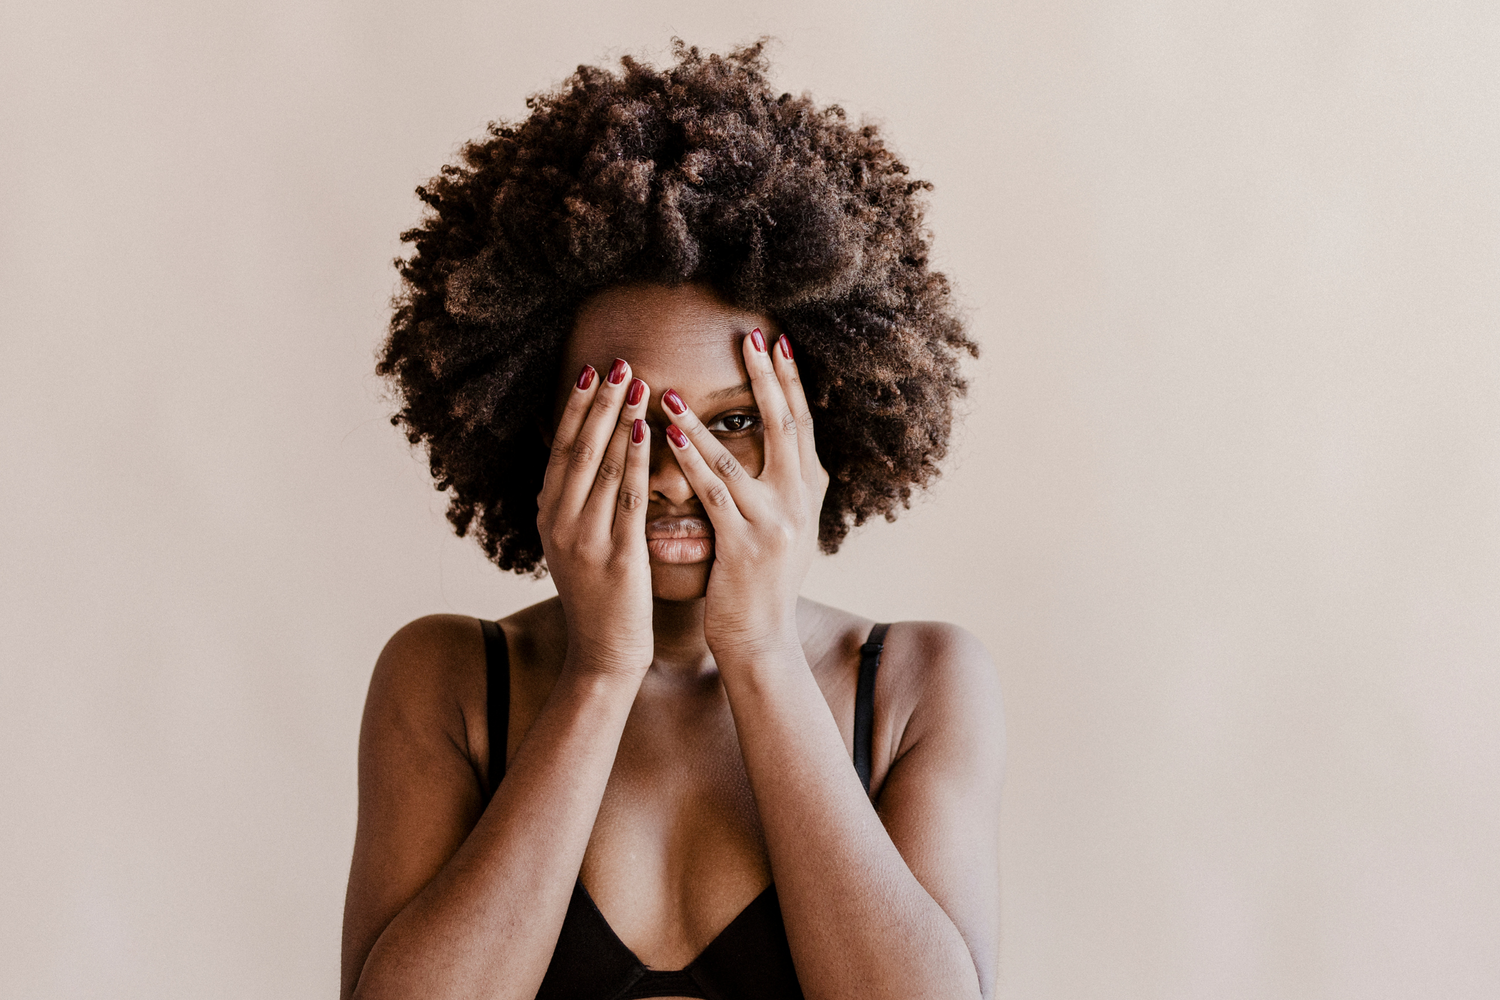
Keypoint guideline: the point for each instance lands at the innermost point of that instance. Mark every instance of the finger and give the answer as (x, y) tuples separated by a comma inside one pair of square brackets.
[(796, 401), (630, 504), (718, 503), (778, 425), (722, 465), (574, 411), (599, 510), (587, 450)]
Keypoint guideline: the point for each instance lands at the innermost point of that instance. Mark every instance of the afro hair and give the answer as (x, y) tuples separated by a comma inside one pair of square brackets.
[(696, 173)]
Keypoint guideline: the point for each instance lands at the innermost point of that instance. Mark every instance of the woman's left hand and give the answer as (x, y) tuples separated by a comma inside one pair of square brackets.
[(765, 526)]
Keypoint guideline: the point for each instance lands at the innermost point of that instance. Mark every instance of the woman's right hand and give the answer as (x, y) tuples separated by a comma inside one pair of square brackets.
[(440, 905), (592, 517)]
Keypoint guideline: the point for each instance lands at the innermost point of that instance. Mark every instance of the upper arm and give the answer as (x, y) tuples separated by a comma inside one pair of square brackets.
[(419, 793), (940, 800)]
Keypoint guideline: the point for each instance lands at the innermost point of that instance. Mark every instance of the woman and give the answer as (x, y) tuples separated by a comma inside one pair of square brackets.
[(669, 334)]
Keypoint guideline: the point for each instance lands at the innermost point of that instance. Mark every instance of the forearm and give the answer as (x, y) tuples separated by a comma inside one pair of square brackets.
[(487, 922), (859, 922)]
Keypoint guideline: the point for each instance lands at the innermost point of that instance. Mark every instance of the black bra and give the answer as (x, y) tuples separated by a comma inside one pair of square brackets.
[(749, 960)]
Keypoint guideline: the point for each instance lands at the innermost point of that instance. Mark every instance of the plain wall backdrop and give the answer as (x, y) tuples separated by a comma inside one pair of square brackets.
[(1225, 509)]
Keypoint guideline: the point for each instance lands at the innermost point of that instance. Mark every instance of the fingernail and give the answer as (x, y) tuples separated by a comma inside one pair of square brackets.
[(637, 388), (586, 377), (786, 347), (758, 340), (638, 431), (678, 438), (673, 401), (617, 372)]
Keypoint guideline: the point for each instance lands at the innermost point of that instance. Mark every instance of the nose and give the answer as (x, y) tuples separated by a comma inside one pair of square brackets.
[(668, 485)]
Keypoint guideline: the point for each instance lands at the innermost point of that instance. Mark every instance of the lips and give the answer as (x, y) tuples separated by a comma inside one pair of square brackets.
[(679, 539)]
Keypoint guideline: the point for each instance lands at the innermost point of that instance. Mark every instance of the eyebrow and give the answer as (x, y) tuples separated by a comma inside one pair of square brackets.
[(735, 390)]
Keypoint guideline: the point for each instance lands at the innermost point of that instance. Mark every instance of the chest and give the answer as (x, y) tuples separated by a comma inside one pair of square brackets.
[(677, 850)]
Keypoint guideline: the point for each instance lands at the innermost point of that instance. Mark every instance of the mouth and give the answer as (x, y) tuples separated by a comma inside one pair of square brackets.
[(680, 540)]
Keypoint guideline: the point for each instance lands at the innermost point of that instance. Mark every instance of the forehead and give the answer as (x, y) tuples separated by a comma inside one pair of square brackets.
[(670, 335)]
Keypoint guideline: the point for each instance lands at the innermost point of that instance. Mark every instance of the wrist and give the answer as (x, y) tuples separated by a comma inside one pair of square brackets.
[(605, 670), (594, 696), (767, 652)]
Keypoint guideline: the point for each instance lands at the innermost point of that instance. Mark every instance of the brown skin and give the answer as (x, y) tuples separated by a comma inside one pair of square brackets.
[(680, 733)]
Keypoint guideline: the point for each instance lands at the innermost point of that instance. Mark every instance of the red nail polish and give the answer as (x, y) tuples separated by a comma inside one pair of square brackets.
[(586, 377), (616, 372), (786, 347), (637, 389), (638, 431), (757, 340), (678, 438), (673, 401)]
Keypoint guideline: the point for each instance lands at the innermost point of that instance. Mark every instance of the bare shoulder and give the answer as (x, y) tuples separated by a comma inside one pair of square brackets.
[(430, 683), (430, 654), (937, 664), (444, 653), (947, 679), (941, 659), (419, 790), (426, 683), (937, 686), (940, 800), (427, 645)]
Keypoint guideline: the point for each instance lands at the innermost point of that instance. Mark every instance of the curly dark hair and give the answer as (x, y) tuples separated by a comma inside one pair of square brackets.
[(694, 173)]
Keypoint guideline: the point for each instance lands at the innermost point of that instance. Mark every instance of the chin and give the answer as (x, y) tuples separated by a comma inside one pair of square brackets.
[(679, 581)]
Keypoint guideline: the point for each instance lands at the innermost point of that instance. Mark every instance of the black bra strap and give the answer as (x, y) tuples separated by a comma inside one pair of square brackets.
[(864, 703), (497, 697)]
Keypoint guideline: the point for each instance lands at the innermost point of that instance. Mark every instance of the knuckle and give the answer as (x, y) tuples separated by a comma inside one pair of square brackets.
[(717, 496), (789, 424), (610, 469), (581, 454), (727, 468), (585, 550), (630, 500)]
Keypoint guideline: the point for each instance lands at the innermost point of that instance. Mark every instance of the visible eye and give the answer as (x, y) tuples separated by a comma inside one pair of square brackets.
[(734, 423)]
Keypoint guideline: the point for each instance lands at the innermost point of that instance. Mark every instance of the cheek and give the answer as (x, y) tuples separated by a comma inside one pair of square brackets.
[(749, 451)]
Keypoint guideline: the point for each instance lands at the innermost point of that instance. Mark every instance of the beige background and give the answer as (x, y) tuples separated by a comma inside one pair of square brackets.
[(1226, 508)]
